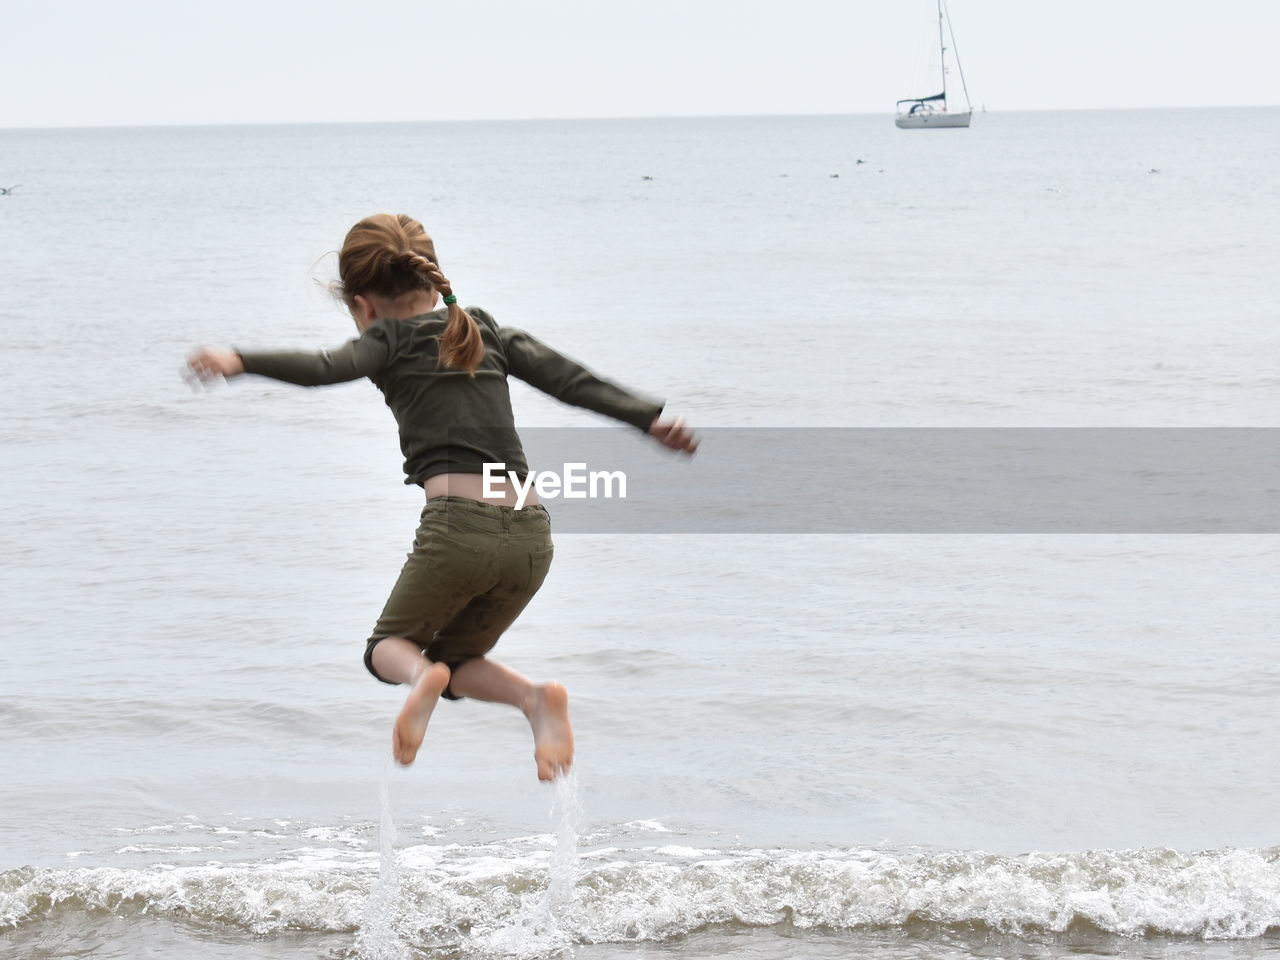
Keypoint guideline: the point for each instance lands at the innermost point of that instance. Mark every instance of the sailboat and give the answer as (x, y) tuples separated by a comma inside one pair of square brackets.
[(921, 112)]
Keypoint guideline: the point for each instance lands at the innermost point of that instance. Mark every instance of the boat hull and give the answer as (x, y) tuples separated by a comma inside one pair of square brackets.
[(939, 119)]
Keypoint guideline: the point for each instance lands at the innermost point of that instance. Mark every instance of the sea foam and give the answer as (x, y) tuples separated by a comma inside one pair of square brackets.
[(496, 899)]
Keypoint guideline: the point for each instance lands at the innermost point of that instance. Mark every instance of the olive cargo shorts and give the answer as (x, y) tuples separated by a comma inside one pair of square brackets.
[(473, 568)]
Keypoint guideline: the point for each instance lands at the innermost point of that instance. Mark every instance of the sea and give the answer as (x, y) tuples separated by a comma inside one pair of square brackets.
[(895, 746)]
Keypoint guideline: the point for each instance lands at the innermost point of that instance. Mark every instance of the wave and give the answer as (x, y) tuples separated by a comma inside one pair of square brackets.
[(223, 720), (454, 896)]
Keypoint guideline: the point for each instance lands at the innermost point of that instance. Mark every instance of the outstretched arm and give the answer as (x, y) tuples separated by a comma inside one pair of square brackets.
[(362, 357), (569, 381)]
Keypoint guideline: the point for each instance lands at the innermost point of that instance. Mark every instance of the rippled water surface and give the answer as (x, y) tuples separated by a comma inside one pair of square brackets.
[(815, 746)]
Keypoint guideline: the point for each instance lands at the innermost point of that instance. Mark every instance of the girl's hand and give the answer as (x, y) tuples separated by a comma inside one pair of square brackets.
[(674, 434), (208, 364)]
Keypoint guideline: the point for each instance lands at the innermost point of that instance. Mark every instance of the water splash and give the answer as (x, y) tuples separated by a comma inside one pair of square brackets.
[(566, 816), (544, 925), (377, 938)]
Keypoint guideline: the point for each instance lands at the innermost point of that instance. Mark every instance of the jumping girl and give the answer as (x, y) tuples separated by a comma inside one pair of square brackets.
[(477, 561)]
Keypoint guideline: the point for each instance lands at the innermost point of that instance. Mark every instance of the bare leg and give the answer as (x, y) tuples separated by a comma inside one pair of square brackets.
[(402, 661), (546, 705)]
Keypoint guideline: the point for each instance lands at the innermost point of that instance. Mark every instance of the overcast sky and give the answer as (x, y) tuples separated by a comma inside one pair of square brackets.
[(92, 62)]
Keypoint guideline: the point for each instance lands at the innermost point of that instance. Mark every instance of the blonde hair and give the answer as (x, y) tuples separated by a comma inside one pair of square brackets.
[(390, 256)]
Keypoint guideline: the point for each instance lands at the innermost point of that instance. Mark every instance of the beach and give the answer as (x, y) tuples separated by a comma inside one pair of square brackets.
[(900, 745)]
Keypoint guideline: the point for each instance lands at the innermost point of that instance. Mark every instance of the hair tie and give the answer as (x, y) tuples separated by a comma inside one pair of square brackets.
[(450, 299)]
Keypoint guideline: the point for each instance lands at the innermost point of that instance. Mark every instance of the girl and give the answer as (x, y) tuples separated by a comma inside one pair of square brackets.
[(477, 561)]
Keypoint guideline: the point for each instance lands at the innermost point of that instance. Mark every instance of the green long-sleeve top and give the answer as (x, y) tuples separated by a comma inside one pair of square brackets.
[(450, 422)]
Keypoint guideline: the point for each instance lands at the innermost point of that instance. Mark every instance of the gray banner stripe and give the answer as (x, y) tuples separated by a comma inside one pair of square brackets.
[(922, 480)]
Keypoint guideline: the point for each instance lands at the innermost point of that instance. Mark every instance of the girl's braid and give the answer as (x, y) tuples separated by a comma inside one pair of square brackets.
[(425, 266)]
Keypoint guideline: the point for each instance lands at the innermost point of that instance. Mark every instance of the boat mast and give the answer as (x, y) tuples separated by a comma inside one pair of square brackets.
[(942, 56)]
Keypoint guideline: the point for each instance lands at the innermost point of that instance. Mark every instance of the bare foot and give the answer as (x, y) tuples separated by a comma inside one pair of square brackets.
[(552, 732), (411, 725)]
